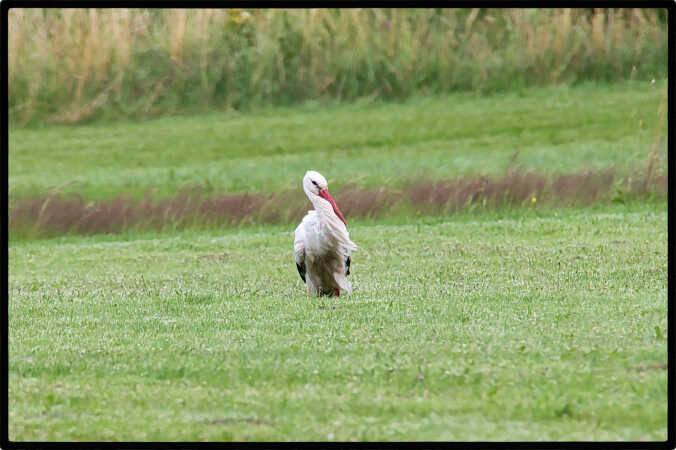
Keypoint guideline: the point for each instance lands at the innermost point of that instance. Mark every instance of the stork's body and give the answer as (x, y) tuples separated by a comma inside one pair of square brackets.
[(322, 244)]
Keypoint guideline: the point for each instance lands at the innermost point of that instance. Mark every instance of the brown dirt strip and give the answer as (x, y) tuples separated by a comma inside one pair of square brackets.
[(55, 214)]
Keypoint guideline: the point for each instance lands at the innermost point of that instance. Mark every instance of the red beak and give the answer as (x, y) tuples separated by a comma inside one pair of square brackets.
[(324, 193)]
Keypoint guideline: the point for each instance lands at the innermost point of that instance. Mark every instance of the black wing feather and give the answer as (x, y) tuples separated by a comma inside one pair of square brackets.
[(347, 265), (301, 271)]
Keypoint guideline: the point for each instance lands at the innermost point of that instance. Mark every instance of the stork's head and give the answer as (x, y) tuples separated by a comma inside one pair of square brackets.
[(314, 184)]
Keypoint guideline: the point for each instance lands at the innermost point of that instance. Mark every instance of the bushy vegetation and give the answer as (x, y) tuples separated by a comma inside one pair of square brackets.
[(73, 65)]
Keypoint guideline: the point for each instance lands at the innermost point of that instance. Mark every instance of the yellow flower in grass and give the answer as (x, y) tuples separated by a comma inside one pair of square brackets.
[(533, 199), (238, 15)]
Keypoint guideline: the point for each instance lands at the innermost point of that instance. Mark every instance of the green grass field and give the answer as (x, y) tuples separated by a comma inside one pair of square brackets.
[(512, 328), (526, 323), (556, 129)]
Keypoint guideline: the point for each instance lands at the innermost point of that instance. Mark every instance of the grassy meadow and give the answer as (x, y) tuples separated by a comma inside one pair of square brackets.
[(371, 144), (556, 146), (503, 173), (514, 327), (525, 323)]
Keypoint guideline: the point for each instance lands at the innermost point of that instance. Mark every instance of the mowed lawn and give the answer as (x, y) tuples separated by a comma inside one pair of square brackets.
[(521, 326), (551, 130)]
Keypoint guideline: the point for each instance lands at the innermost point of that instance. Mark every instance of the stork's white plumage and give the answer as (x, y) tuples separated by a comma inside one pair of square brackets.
[(322, 244)]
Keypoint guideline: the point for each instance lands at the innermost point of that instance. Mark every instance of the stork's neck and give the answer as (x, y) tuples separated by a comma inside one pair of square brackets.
[(323, 208), (330, 222)]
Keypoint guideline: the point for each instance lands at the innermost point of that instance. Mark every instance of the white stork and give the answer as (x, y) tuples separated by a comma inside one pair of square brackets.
[(322, 245)]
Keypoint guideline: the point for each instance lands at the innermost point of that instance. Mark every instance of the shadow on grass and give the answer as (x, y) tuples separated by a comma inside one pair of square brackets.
[(56, 214)]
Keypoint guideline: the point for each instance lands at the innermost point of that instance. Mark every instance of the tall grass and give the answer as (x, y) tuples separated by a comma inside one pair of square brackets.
[(72, 65)]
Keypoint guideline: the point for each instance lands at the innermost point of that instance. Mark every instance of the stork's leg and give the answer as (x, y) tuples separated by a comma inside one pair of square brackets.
[(337, 292)]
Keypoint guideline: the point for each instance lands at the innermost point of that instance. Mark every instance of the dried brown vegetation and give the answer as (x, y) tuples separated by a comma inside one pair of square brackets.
[(57, 214)]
